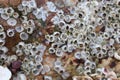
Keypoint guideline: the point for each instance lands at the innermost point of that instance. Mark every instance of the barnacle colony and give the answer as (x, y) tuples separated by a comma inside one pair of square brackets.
[(59, 39)]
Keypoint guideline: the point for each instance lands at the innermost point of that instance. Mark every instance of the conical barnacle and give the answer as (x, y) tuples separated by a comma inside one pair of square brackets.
[(5, 16), (11, 22), (24, 36)]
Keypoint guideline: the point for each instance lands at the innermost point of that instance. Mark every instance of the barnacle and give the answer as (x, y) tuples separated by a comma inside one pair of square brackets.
[(60, 39)]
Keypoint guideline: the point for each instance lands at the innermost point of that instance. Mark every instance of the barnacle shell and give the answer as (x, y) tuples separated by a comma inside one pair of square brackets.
[(21, 76), (82, 78), (5, 73), (116, 56), (70, 2)]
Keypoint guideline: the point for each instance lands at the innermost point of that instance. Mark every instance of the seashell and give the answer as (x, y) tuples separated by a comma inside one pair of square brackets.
[(11, 22), (5, 73)]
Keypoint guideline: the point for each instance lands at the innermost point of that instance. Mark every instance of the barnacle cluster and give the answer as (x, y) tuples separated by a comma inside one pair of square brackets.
[(60, 39)]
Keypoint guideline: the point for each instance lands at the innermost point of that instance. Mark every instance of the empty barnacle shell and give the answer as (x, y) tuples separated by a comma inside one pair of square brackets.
[(5, 73), (11, 22), (10, 32), (5, 16), (19, 29), (24, 36)]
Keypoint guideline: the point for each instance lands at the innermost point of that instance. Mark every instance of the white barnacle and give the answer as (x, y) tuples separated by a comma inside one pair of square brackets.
[(64, 36), (51, 6), (20, 45), (117, 56), (10, 32), (21, 76), (19, 29), (38, 59), (25, 3), (11, 22), (9, 11), (1, 10), (47, 77), (19, 52), (5, 73), (45, 69), (5, 16), (2, 42), (35, 71), (2, 35), (34, 50), (20, 7), (3, 56), (24, 18), (31, 23), (39, 66), (30, 30), (1, 28), (59, 52), (24, 36), (13, 58), (51, 50), (32, 4), (15, 15), (77, 55), (3, 49), (57, 63)]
